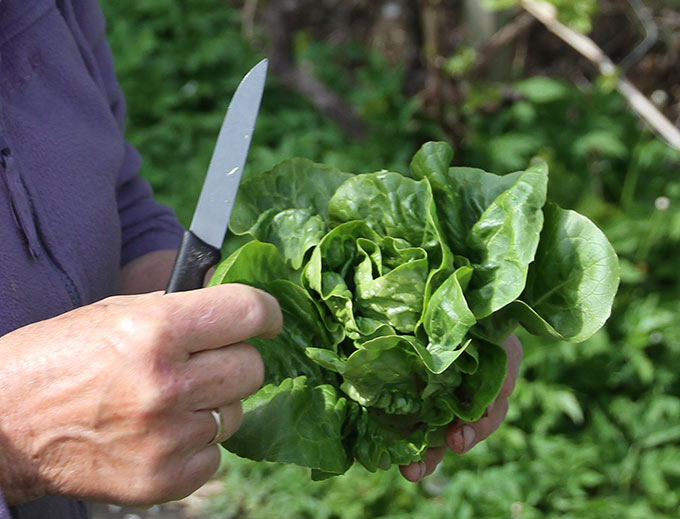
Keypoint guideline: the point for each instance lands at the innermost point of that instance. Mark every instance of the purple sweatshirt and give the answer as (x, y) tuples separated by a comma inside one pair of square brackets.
[(73, 209)]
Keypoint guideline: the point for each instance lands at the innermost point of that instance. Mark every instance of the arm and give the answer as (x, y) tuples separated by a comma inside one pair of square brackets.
[(147, 273)]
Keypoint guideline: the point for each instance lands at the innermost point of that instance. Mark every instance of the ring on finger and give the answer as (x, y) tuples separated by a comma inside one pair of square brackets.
[(219, 422)]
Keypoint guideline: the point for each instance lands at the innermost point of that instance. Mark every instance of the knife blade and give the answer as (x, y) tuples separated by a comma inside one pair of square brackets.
[(202, 242)]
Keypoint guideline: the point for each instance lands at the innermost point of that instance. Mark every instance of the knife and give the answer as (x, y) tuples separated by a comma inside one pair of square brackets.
[(202, 242)]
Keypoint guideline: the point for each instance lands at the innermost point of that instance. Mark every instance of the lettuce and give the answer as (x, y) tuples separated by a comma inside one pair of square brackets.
[(397, 293)]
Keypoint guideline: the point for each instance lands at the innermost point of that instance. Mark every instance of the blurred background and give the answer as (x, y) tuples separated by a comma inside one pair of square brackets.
[(593, 429)]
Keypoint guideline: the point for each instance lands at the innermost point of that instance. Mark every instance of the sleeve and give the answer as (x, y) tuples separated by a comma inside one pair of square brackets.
[(4, 511), (146, 225)]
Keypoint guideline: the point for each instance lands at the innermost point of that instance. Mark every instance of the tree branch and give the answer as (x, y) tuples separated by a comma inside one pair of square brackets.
[(282, 64), (545, 13), (501, 38)]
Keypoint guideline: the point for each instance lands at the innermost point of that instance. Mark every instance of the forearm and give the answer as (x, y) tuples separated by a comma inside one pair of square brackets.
[(147, 273)]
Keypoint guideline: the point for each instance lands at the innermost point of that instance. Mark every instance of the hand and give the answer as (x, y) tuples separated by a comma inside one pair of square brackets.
[(462, 436), (112, 401)]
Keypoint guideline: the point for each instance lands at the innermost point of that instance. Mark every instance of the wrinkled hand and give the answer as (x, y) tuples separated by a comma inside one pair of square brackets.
[(462, 436), (111, 402)]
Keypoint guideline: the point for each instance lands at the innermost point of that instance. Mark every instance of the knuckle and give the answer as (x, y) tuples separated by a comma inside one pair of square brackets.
[(260, 312), (138, 328), (187, 477), (255, 310), (487, 426), (502, 410), (159, 394), (254, 365), (244, 371), (157, 456)]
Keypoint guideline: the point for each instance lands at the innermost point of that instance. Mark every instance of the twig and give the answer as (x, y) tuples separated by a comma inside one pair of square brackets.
[(545, 13), (282, 64), (248, 19), (651, 34), (504, 36)]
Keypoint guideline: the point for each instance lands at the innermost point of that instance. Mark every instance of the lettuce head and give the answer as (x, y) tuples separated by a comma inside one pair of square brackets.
[(397, 292)]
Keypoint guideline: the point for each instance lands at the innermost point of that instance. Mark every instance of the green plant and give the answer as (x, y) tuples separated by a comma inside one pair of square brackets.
[(397, 293)]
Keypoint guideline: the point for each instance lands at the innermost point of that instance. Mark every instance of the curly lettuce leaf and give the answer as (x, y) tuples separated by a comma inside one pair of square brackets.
[(446, 322), (292, 231), (477, 390), (350, 271), (385, 373), (287, 206), (392, 205), (494, 221), (379, 442)]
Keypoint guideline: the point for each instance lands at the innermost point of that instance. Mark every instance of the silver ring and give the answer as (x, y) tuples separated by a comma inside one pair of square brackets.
[(219, 421)]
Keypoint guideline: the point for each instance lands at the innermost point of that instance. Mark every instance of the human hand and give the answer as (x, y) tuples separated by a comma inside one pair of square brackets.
[(112, 401), (462, 436)]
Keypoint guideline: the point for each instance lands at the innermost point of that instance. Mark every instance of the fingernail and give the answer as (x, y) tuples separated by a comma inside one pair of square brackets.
[(469, 437)]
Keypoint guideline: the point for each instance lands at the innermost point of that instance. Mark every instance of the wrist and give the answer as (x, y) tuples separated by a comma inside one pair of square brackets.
[(147, 273), (19, 479)]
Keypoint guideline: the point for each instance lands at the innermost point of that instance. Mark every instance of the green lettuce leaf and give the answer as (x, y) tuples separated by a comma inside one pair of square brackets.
[(287, 206), (446, 322), (392, 205), (294, 422), (571, 285), (350, 271), (479, 389), (494, 221)]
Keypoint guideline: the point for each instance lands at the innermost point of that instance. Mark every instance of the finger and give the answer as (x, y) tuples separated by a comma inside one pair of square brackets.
[(417, 470), (231, 417), (222, 376), (220, 315), (185, 434), (205, 429), (413, 472), (432, 458), (462, 436), (513, 349), (191, 474)]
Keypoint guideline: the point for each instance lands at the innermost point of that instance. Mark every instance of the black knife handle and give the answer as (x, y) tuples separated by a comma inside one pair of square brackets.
[(194, 259)]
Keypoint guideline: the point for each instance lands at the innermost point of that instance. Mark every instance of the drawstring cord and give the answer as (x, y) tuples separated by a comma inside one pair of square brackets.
[(19, 199)]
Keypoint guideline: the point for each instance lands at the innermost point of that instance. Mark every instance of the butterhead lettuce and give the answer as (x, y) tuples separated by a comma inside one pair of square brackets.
[(397, 292)]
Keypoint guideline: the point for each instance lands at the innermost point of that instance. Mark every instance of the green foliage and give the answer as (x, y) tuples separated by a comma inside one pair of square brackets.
[(180, 62), (592, 427)]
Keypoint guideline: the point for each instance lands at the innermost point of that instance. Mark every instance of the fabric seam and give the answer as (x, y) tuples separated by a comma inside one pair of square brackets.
[(25, 20)]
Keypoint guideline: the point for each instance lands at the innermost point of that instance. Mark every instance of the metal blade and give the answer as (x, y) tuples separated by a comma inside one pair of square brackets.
[(216, 201)]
